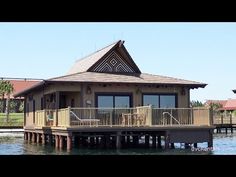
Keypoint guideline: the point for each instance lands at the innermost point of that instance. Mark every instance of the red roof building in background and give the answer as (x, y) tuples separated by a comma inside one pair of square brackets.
[(227, 105), (20, 84), (222, 102)]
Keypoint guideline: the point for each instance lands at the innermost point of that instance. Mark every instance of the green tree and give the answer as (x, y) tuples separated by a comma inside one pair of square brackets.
[(2, 93), (215, 106), (196, 103), (6, 88)]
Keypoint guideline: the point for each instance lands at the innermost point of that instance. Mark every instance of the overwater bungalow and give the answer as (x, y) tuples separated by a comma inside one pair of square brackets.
[(106, 100)]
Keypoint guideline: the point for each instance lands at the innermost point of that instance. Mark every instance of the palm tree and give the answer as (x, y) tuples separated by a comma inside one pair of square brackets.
[(8, 90), (2, 93)]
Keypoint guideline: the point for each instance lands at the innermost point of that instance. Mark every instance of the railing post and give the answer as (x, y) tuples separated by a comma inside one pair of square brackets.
[(222, 118), (111, 117), (55, 119), (44, 118), (230, 118), (68, 117), (192, 117), (210, 116), (36, 118), (150, 115), (90, 116)]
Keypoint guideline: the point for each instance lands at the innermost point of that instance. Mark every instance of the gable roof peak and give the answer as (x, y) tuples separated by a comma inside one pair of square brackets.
[(112, 58)]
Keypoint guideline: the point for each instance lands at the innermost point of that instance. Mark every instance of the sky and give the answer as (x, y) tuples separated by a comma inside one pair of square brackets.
[(203, 52)]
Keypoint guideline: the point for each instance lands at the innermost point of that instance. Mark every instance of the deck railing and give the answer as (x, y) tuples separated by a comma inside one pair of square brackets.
[(40, 118), (125, 117), (223, 118), (64, 117), (181, 116)]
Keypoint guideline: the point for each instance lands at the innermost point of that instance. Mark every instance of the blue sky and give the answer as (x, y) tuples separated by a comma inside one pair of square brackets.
[(204, 52)]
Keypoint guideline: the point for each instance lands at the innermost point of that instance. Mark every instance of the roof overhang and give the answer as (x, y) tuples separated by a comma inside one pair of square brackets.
[(45, 82)]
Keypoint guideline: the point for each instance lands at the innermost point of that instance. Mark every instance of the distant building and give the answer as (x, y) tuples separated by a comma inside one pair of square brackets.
[(19, 84), (227, 105)]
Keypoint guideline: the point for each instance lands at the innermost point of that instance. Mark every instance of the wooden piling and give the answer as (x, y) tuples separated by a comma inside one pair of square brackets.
[(147, 137), (128, 140), (92, 141), (56, 141), (97, 141), (38, 138), (29, 136), (154, 141), (159, 142), (60, 141), (210, 141), (43, 139), (167, 141), (26, 136), (69, 142), (118, 140)]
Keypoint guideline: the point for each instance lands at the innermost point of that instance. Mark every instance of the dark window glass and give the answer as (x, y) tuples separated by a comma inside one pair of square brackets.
[(72, 104), (111, 101), (167, 101), (105, 101), (152, 100), (122, 101)]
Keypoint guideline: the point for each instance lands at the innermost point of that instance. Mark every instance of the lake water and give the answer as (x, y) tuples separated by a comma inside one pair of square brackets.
[(14, 144)]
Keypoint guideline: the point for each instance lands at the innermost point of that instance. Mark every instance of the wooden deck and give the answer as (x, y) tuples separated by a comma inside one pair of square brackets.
[(119, 128), (120, 137)]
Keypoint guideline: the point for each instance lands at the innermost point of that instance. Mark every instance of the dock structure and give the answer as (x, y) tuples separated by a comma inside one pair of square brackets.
[(224, 122), (121, 137)]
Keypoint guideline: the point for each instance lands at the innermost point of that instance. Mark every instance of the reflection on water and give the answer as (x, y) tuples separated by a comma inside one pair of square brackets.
[(14, 144)]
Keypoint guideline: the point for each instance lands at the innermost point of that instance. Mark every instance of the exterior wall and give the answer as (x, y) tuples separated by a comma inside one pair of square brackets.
[(136, 91), (37, 97), (70, 87), (81, 94), (72, 95), (73, 92)]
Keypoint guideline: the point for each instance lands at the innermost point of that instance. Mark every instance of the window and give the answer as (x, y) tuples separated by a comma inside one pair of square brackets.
[(160, 100), (105, 101), (151, 100), (113, 101), (122, 101), (167, 101)]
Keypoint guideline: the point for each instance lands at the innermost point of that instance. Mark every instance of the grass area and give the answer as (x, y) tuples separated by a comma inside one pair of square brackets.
[(15, 119)]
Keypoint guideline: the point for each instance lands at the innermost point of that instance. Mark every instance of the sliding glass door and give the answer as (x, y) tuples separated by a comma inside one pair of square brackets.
[(160, 100), (113, 101)]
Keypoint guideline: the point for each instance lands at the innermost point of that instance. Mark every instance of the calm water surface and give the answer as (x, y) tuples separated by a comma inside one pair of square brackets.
[(14, 144)]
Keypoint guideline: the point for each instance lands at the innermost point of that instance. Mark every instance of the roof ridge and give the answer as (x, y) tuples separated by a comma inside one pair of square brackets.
[(173, 78), (64, 76), (96, 51)]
